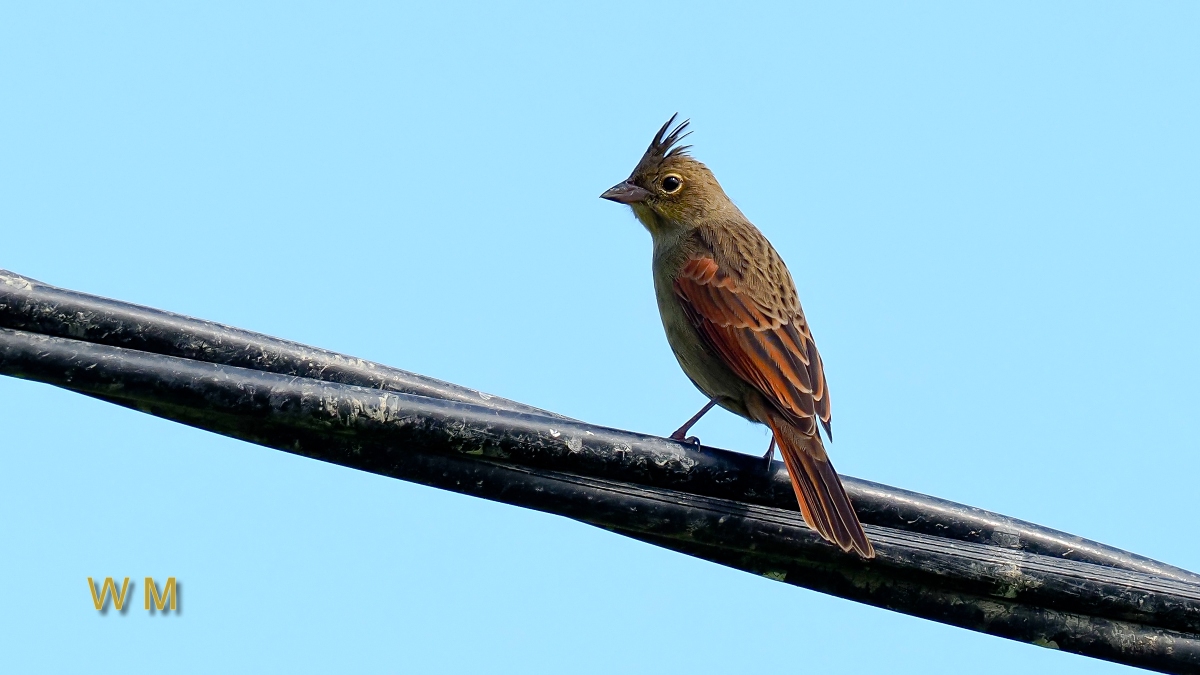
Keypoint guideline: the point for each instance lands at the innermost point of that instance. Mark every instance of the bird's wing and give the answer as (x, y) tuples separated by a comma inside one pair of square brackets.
[(769, 347)]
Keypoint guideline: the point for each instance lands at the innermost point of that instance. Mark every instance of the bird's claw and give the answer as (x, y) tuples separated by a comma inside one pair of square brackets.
[(690, 440)]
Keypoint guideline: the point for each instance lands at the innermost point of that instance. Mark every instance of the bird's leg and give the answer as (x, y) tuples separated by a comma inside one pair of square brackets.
[(770, 456), (681, 433)]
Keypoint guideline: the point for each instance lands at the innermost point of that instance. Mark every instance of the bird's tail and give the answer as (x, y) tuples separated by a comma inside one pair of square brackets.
[(823, 500)]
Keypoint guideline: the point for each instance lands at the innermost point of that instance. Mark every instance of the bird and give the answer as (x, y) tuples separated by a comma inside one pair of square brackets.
[(734, 322)]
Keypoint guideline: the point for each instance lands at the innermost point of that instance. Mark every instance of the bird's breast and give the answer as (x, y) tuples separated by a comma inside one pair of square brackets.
[(704, 368)]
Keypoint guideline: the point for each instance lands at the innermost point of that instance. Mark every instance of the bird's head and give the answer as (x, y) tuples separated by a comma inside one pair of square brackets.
[(668, 188)]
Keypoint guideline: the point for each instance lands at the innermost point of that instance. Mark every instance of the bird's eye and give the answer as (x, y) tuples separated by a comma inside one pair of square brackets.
[(671, 184)]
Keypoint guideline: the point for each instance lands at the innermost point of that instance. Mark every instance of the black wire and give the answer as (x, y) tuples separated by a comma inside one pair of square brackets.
[(935, 559)]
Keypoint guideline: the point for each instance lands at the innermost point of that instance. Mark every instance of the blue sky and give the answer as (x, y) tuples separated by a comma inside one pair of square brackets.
[(990, 213)]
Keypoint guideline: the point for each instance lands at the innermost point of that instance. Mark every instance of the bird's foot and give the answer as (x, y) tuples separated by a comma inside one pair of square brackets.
[(679, 436), (770, 456), (681, 433)]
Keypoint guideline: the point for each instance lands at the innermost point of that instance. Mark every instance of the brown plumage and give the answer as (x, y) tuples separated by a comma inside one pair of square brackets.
[(732, 317)]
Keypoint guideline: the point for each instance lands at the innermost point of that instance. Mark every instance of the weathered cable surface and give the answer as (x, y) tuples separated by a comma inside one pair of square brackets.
[(938, 560), (30, 305)]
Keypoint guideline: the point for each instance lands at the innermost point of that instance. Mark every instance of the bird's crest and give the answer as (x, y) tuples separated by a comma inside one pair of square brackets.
[(665, 145)]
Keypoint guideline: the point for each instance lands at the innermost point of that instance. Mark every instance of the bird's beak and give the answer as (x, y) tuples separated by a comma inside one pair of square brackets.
[(626, 193)]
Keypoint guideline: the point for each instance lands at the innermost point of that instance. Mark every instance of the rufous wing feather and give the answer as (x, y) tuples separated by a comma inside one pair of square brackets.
[(769, 347)]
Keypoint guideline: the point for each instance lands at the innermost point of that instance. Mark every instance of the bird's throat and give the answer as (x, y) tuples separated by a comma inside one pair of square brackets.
[(646, 216), (660, 228)]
